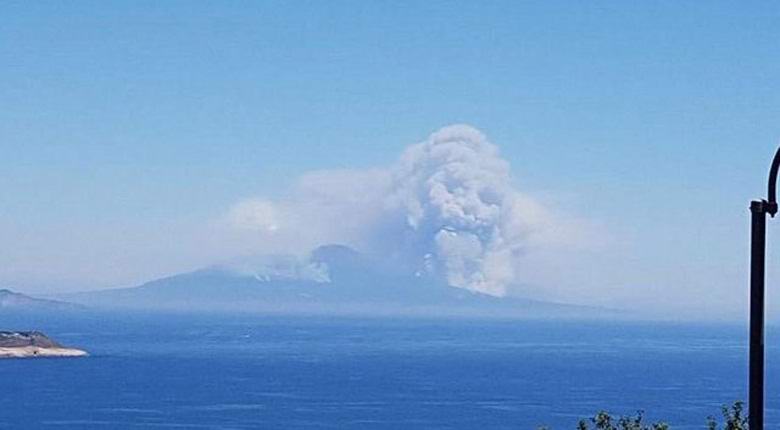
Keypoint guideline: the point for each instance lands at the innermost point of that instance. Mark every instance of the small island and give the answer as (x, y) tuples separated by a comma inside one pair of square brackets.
[(28, 344)]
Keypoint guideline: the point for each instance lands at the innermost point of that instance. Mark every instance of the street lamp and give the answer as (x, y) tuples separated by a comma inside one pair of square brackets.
[(759, 209)]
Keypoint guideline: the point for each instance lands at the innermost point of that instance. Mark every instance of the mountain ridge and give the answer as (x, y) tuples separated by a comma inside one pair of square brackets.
[(13, 301), (333, 279)]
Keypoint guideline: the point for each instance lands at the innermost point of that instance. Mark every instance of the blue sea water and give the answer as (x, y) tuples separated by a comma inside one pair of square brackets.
[(246, 372)]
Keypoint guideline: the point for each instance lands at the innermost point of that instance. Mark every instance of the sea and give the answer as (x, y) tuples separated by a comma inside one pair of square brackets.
[(211, 371)]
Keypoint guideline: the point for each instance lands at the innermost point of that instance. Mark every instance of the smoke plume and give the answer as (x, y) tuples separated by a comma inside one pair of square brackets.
[(463, 219), (446, 209)]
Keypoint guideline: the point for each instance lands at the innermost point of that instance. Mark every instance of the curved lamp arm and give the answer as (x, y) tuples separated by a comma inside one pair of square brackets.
[(771, 204)]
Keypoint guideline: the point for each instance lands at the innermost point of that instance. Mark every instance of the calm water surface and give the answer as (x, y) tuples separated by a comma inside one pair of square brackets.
[(340, 373)]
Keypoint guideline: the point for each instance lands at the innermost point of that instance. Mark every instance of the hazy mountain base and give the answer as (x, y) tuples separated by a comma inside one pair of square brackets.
[(217, 290), (354, 285), (11, 301)]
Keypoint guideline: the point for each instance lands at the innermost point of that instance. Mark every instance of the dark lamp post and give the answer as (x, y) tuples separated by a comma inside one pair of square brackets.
[(759, 209)]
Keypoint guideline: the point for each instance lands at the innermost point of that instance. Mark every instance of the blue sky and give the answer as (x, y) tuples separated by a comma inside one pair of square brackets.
[(128, 124)]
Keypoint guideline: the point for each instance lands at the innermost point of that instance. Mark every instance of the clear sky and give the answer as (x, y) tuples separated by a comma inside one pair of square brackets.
[(128, 128)]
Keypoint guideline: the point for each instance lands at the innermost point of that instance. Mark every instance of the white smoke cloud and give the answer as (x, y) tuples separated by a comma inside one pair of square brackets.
[(456, 195), (448, 208), (255, 214), (323, 207)]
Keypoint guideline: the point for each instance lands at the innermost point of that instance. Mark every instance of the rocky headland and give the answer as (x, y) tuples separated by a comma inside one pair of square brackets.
[(28, 344)]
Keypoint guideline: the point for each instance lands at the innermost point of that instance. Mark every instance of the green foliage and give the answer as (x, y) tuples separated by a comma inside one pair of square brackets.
[(733, 419), (605, 421)]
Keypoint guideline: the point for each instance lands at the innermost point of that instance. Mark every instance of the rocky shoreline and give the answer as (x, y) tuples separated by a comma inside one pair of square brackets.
[(31, 344), (34, 351)]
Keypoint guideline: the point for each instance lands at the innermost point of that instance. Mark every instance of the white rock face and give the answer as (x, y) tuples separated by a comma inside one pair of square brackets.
[(29, 344), (36, 351)]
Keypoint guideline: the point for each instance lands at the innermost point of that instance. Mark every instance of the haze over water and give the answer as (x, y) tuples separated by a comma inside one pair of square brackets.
[(311, 372)]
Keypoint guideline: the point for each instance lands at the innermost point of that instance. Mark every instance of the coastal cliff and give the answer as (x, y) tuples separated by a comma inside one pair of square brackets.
[(25, 344)]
